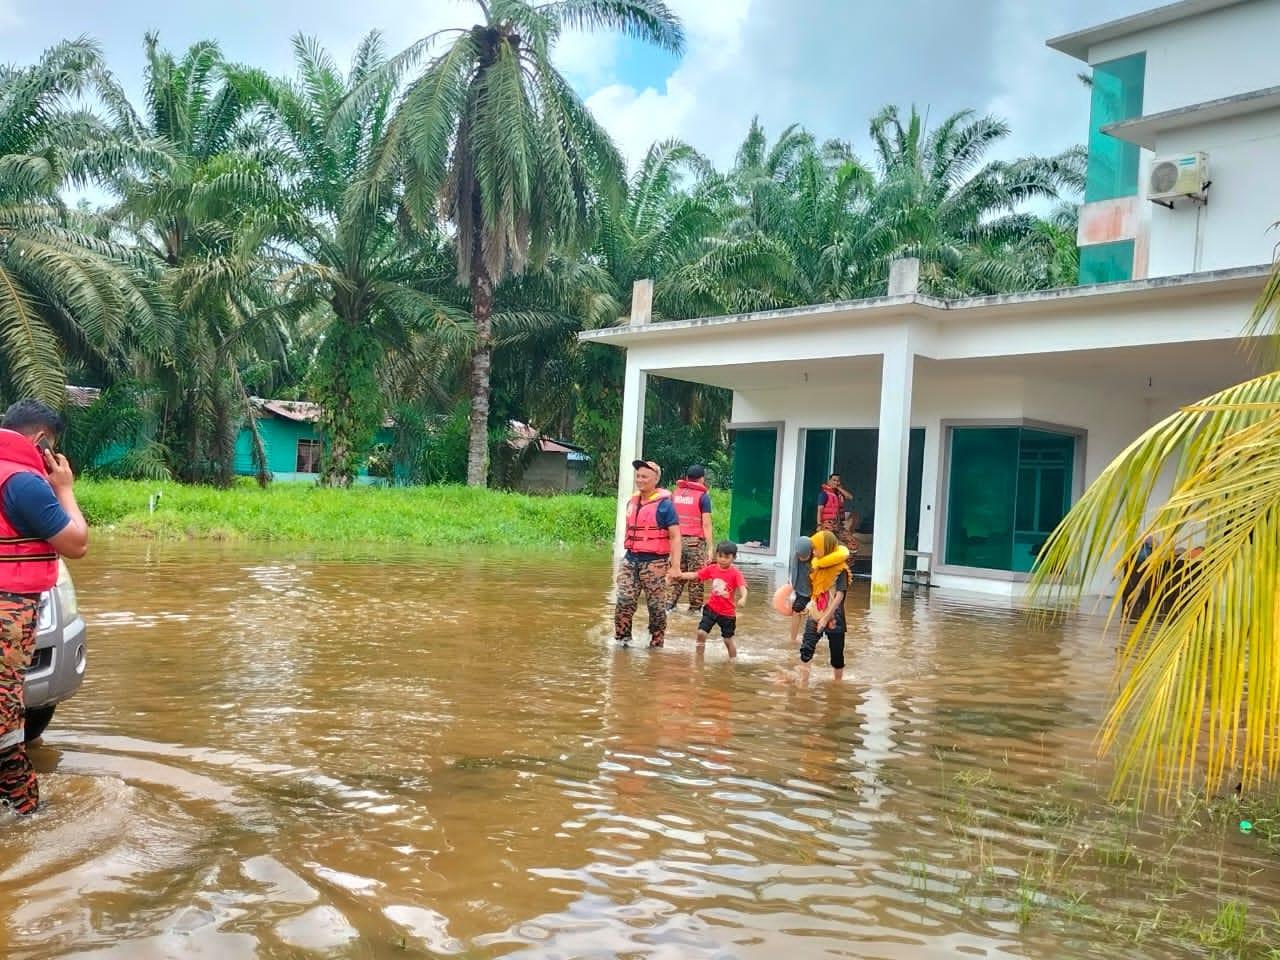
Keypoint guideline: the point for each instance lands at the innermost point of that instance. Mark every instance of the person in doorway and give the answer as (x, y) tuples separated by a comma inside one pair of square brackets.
[(802, 554), (833, 513), (693, 507), (651, 541), (728, 592), (39, 522), (829, 585)]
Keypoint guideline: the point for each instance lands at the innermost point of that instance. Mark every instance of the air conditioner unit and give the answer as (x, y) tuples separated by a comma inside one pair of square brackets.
[(1174, 177)]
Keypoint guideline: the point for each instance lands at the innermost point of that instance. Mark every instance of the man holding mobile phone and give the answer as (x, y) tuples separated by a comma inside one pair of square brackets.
[(40, 521)]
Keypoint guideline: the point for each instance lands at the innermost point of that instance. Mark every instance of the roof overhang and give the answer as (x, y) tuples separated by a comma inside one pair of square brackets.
[(1079, 43), (881, 309), (1144, 130)]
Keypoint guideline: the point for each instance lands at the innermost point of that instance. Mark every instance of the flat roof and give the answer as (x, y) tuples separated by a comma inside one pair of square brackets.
[(875, 308), (1078, 44), (1143, 130)]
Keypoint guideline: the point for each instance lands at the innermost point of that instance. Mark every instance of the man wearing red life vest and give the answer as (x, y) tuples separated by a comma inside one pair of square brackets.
[(652, 543), (832, 512), (693, 507), (39, 522)]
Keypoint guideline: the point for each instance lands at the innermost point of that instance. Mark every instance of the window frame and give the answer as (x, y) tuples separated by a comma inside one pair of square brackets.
[(942, 494), (779, 426), (315, 446)]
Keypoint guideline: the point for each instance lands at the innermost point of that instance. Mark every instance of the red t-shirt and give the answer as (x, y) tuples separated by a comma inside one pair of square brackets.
[(724, 583)]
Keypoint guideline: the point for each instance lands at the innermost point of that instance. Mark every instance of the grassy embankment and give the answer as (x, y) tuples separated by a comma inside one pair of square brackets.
[(441, 516)]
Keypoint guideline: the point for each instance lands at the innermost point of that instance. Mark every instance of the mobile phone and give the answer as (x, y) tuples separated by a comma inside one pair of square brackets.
[(44, 445)]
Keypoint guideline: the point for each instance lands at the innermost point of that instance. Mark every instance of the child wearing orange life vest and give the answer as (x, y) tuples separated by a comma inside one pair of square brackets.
[(728, 592)]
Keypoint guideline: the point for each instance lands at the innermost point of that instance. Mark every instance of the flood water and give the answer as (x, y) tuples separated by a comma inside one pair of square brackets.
[(285, 753)]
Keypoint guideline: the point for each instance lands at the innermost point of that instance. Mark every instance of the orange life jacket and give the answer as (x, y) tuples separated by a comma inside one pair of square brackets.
[(688, 503), (833, 505), (27, 564), (643, 533)]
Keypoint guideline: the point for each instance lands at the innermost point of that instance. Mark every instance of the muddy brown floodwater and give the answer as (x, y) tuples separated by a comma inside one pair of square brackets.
[(288, 753)]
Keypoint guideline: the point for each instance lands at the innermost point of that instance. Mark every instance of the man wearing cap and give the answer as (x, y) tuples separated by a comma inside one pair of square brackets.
[(693, 507), (652, 544)]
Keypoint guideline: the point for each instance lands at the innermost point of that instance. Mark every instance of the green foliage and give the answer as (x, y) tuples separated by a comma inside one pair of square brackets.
[(431, 515), (115, 435)]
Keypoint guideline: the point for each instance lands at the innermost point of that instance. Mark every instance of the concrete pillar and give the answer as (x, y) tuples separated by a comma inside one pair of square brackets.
[(641, 302), (904, 276), (897, 367), (634, 385)]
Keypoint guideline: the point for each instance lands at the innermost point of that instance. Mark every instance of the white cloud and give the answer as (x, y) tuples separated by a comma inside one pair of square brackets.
[(832, 64)]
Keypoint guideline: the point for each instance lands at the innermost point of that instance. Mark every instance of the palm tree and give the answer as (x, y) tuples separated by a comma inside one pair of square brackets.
[(206, 218), (1200, 667), (493, 131), (66, 291), (355, 250)]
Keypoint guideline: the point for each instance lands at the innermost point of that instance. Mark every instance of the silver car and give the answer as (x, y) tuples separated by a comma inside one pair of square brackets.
[(57, 666)]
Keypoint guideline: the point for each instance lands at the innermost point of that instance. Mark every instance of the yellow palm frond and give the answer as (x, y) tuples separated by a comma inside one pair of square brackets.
[(1199, 671)]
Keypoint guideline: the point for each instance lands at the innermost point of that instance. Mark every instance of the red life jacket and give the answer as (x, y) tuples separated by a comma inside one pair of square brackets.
[(688, 503), (833, 505), (643, 533), (27, 565)]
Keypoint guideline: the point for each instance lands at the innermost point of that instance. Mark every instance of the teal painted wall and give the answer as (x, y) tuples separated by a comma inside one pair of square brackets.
[(280, 437)]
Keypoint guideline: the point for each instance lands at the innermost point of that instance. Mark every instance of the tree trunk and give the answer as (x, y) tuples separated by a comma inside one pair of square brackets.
[(481, 311)]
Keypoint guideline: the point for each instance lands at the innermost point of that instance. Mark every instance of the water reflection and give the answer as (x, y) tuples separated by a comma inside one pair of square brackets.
[(285, 753)]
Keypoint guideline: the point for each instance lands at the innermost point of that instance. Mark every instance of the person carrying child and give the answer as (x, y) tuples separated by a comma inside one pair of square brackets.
[(829, 584), (728, 591)]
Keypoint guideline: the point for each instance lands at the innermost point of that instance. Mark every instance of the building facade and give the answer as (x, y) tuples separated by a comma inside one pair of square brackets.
[(966, 428)]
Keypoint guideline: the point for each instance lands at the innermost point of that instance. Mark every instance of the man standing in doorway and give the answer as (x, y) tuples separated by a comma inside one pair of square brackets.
[(693, 507), (39, 521), (833, 504), (652, 544)]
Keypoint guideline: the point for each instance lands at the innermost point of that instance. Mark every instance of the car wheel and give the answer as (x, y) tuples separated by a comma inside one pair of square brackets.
[(37, 720)]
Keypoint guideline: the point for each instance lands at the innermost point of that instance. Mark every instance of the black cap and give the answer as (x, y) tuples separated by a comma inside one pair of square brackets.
[(646, 465), (696, 472)]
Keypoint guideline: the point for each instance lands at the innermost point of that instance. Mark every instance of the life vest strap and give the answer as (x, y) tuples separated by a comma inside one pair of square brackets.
[(27, 557), (17, 540)]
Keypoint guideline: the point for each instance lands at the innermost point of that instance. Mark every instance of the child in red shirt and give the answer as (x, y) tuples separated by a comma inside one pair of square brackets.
[(728, 590)]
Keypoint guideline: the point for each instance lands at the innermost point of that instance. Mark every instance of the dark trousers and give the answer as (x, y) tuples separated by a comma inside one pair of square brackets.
[(835, 643)]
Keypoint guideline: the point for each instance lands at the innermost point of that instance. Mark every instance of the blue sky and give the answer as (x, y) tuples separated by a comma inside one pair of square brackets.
[(828, 64)]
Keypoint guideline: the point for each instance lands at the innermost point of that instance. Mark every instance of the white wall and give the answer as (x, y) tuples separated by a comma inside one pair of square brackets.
[(1219, 54), (1235, 227)]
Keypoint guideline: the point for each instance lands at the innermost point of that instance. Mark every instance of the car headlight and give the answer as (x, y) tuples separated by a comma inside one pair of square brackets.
[(66, 593)]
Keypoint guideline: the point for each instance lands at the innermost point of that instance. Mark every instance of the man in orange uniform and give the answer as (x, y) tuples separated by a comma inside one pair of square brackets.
[(39, 521), (693, 507), (652, 543)]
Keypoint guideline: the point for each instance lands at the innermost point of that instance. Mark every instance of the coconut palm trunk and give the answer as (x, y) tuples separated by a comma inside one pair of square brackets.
[(481, 358)]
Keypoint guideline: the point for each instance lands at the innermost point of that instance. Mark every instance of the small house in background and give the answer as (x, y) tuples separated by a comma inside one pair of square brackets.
[(556, 467), (291, 436)]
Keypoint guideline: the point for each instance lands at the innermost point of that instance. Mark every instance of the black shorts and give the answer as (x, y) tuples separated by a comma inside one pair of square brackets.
[(799, 603), (728, 625)]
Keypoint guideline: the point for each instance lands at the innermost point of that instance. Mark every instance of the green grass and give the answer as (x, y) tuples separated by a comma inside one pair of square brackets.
[(443, 516)]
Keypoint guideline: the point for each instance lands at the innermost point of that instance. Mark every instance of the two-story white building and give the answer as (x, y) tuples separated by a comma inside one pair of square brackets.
[(966, 428)]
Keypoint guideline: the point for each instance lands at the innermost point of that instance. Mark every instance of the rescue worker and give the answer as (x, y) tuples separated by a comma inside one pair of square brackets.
[(693, 507), (39, 521), (651, 540), (832, 514)]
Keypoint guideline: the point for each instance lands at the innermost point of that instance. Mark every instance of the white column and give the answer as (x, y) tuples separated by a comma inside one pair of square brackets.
[(634, 384), (897, 367), (789, 478)]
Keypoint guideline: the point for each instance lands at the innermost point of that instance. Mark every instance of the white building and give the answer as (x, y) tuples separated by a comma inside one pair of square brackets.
[(965, 428)]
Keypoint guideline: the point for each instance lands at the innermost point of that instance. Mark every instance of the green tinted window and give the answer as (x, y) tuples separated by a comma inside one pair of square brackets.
[(1007, 490), (755, 468), (1117, 95), (983, 487), (1106, 262), (817, 468)]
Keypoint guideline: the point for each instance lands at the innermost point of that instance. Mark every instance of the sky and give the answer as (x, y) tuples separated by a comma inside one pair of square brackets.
[(829, 65)]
